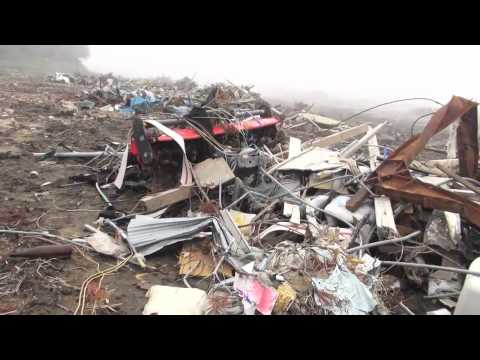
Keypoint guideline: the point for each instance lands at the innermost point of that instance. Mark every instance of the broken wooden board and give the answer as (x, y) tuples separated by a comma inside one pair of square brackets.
[(196, 260), (340, 136), (386, 227), (315, 159), (321, 121), (213, 172), (165, 198)]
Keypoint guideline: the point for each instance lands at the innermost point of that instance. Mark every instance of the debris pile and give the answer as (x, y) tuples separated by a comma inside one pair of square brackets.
[(262, 221)]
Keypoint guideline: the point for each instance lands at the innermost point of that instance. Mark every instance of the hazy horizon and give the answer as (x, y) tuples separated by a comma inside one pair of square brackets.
[(373, 72)]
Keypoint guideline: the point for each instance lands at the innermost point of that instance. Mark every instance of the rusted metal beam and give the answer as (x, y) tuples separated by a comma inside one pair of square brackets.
[(406, 188), (393, 178)]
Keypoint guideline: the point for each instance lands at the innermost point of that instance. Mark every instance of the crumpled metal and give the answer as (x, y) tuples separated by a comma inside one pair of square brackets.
[(392, 177)]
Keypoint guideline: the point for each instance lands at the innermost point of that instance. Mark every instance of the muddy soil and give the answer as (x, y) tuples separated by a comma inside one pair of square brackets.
[(36, 196)]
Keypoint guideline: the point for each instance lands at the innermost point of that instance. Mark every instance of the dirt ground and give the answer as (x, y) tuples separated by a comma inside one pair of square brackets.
[(31, 120)]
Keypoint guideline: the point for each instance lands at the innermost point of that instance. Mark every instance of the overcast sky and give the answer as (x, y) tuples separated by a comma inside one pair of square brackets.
[(380, 72)]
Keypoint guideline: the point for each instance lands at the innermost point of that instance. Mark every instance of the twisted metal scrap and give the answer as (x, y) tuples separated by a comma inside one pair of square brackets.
[(393, 178)]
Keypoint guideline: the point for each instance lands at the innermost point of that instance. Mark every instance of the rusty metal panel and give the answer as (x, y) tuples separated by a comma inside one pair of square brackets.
[(446, 115), (403, 188), (393, 178)]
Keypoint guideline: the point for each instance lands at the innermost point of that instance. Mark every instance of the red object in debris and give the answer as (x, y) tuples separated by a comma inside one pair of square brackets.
[(134, 148), (247, 125), (192, 134)]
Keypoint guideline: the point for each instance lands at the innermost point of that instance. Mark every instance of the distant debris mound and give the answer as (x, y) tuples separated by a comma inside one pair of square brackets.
[(42, 59)]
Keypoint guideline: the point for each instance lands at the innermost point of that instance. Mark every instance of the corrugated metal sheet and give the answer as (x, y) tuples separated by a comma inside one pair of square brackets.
[(148, 235)]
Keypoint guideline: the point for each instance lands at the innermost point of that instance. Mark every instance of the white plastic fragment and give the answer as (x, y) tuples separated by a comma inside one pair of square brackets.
[(338, 207), (469, 299), (168, 300), (442, 311)]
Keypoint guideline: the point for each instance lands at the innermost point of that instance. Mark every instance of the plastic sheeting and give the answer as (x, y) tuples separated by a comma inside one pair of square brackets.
[(343, 293)]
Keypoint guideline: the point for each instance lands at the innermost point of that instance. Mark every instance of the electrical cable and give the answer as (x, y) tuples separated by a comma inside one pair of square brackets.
[(387, 103), (417, 119)]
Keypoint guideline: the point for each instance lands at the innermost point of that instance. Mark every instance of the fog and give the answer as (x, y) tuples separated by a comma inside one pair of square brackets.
[(338, 72), (338, 79), (41, 59)]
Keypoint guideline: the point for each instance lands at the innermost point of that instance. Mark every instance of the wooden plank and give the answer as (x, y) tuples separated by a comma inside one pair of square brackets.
[(196, 260), (320, 120), (159, 200), (386, 227), (340, 136)]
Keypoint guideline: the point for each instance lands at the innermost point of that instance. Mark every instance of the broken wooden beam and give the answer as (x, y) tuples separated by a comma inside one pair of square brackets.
[(159, 200), (339, 137)]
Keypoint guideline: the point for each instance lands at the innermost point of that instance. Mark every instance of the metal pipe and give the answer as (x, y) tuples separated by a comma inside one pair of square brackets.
[(432, 267), (383, 242), (444, 295), (305, 202), (355, 146), (103, 196), (238, 200), (139, 257), (458, 179), (410, 312), (310, 186), (19, 232), (46, 234), (75, 154)]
